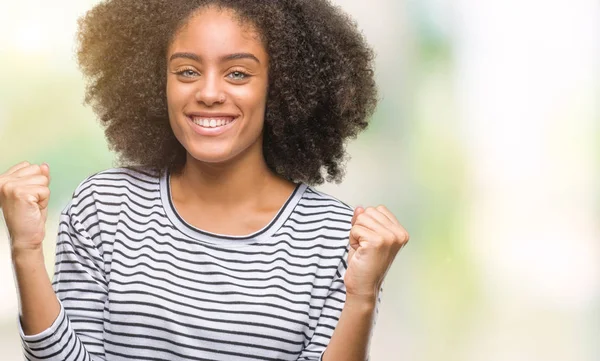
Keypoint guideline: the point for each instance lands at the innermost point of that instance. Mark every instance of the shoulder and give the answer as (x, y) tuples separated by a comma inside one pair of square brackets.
[(317, 204), (323, 219), (116, 184), (119, 178)]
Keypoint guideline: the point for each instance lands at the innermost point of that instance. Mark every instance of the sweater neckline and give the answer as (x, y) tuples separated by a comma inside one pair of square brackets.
[(209, 237)]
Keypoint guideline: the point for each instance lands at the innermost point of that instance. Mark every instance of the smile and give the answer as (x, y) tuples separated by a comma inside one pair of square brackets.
[(212, 122), (211, 125)]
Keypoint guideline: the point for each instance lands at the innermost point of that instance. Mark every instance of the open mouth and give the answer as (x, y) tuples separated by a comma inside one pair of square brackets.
[(212, 125), (212, 122)]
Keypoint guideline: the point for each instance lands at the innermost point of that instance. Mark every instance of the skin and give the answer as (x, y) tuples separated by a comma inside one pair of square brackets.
[(218, 65), (227, 175), (225, 178), (24, 196)]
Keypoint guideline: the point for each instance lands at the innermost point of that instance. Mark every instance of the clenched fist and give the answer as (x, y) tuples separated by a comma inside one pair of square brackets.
[(375, 239), (24, 196)]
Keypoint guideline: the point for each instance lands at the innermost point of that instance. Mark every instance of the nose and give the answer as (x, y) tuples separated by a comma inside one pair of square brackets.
[(210, 90)]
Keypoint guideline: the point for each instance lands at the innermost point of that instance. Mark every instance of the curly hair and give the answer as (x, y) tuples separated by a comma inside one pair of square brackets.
[(321, 80)]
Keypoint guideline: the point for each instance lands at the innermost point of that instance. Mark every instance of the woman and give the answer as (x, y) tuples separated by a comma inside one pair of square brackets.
[(209, 242)]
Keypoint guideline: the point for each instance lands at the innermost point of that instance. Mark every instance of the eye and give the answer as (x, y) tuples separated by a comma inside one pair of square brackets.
[(238, 75), (187, 73)]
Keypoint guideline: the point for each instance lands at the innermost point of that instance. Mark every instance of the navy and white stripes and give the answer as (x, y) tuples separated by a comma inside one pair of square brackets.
[(136, 282)]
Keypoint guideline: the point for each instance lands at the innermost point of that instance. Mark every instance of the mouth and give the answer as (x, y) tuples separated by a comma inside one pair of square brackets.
[(211, 124)]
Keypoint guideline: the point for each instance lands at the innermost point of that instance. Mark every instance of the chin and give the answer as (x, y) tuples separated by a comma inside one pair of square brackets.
[(213, 156), (210, 157)]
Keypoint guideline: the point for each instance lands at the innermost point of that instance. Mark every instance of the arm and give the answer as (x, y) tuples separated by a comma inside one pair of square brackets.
[(375, 239), (24, 196), (34, 290), (63, 320), (351, 338), (43, 324), (345, 325)]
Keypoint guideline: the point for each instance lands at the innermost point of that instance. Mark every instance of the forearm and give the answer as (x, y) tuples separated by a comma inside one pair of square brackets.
[(351, 338), (39, 306)]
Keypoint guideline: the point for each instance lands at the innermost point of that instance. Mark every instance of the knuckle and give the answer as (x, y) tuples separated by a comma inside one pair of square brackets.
[(403, 239), (391, 237), (370, 214), (389, 242), (7, 188), (19, 192)]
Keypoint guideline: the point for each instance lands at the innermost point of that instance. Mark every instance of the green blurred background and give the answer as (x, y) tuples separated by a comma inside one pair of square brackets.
[(485, 146)]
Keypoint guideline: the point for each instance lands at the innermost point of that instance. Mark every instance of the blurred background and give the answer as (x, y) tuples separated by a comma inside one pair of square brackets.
[(485, 146)]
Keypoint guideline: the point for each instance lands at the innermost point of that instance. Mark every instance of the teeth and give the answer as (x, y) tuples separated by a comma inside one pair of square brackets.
[(211, 122)]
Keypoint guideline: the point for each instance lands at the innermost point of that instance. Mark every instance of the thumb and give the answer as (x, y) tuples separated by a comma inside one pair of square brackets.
[(45, 170), (353, 243), (358, 210)]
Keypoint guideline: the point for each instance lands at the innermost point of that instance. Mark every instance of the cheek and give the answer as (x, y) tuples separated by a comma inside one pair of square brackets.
[(177, 93), (171, 94), (175, 102), (252, 99)]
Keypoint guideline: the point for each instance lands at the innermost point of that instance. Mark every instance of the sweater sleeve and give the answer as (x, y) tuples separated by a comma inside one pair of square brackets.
[(330, 315), (80, 284)]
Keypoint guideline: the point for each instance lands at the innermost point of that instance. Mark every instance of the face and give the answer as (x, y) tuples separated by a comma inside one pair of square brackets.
[(217, 87)]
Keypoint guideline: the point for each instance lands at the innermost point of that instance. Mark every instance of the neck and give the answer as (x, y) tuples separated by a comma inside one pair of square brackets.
[(231, 184)]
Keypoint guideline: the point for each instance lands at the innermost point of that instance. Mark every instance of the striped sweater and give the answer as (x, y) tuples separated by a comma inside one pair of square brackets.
[(135, 281)]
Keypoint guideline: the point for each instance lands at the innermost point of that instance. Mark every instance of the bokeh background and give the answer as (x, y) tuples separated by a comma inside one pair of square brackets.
[(485, 146)]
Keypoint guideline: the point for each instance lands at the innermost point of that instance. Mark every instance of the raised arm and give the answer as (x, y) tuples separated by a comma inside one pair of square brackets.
[(45, 321), (345, 324), (375, 239)]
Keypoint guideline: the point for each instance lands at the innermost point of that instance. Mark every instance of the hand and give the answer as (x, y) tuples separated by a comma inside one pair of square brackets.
[(376, 237), (24, 196)]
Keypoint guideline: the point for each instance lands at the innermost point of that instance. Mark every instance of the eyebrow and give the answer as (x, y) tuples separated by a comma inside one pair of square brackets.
[(233, 56)]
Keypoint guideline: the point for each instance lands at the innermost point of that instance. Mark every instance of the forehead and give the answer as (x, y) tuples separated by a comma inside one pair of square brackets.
[(215, 31)]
